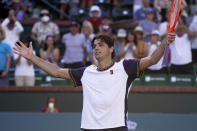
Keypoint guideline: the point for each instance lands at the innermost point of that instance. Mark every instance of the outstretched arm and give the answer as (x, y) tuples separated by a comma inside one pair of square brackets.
[(51, 69), (157, 54)]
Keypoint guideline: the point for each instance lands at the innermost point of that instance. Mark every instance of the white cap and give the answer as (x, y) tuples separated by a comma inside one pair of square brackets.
[(44, 11), (139, 28), (156, 32), (94, 8), (122, 33)]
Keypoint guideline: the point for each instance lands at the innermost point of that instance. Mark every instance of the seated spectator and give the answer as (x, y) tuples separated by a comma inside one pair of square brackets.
[(119, 44), (49, 51), (193, 28), (181, 55), (22, 78), (131, 46), (75, 48), (140, 14), (95, 17), (51, 106), (12, 29), (142, 47), (148, 25), (88, 32), (5, 57), (154, 43), (44, 27)]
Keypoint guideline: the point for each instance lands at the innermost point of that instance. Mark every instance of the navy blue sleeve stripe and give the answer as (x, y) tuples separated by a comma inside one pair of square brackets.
[(72, 78), (76, 75), (132, 67)]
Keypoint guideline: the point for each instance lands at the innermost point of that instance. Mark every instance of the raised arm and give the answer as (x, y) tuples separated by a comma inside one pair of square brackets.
[(157, 54), (51, 69)]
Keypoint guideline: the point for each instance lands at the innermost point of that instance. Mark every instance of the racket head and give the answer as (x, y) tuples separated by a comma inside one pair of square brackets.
[(174, 14)]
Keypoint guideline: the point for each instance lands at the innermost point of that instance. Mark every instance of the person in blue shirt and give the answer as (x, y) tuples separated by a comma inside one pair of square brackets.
[(5, 57)]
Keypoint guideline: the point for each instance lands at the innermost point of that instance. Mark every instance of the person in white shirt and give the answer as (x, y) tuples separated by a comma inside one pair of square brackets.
[(154, 43), (181, 55), (24, 70), (12, 29), (105, 86), (193, 28)]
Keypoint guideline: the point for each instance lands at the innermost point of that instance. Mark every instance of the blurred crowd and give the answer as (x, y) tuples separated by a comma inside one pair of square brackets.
[(87, 18)]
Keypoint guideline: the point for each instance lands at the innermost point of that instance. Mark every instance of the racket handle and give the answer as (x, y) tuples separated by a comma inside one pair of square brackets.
[(165, 57)]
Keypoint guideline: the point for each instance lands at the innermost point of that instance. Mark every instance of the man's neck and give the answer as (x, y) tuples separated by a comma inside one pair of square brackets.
[(104, 64)]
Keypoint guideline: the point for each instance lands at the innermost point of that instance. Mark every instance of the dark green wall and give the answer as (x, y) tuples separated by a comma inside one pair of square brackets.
[(72, 102)]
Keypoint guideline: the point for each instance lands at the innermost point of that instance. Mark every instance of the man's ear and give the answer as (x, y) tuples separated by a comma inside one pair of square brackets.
[(111, 49)]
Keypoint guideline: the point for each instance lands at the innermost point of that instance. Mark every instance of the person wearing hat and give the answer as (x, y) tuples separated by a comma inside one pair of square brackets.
[(154, 43), (44, 27), (193, 28), (95, 17), (148, 24), (140, 14), (120, 43), (75, 48), (142, 47)]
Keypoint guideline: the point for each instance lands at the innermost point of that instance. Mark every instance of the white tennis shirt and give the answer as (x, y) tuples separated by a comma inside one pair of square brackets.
[(105, 93)]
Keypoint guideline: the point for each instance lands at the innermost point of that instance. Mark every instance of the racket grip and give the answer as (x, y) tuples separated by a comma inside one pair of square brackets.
[(165, 57)]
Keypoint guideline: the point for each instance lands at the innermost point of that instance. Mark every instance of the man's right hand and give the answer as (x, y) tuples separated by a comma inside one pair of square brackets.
[(24, 51)]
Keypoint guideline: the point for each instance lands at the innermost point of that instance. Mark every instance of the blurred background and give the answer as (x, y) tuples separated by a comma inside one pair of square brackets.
[(61, 32)]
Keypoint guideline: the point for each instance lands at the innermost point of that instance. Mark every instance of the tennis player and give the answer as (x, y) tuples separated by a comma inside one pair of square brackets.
[(105, 86)]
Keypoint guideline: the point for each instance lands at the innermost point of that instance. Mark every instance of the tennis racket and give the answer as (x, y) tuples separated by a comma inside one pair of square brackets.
[(174, 15)]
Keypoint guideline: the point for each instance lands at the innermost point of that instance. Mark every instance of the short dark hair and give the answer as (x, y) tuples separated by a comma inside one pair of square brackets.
[(107, 39)]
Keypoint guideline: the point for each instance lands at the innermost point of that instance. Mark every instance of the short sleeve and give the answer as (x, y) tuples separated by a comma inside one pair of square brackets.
[(76, 75), (8, 49), (131, 67)]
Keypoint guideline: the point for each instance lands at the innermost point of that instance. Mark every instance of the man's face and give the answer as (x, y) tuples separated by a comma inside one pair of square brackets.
[(150, 16), (180, 30), (95, 14), (146, 3), (101, 49), (154, 38), (74, 29)]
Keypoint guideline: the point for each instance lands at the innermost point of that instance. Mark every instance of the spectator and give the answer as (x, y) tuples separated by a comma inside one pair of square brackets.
[(142, 47), (95, 17), (12, 29), (140, 14), (193, 28), (162, 7), (19, 9), (22, 78), (154, 43), (105, 30), (51, 106), (5, 57), (44, 27), (181, 55), (131, 46), (88, 32), (49, 51), (148, 25), (75, 48), (119, 45)]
